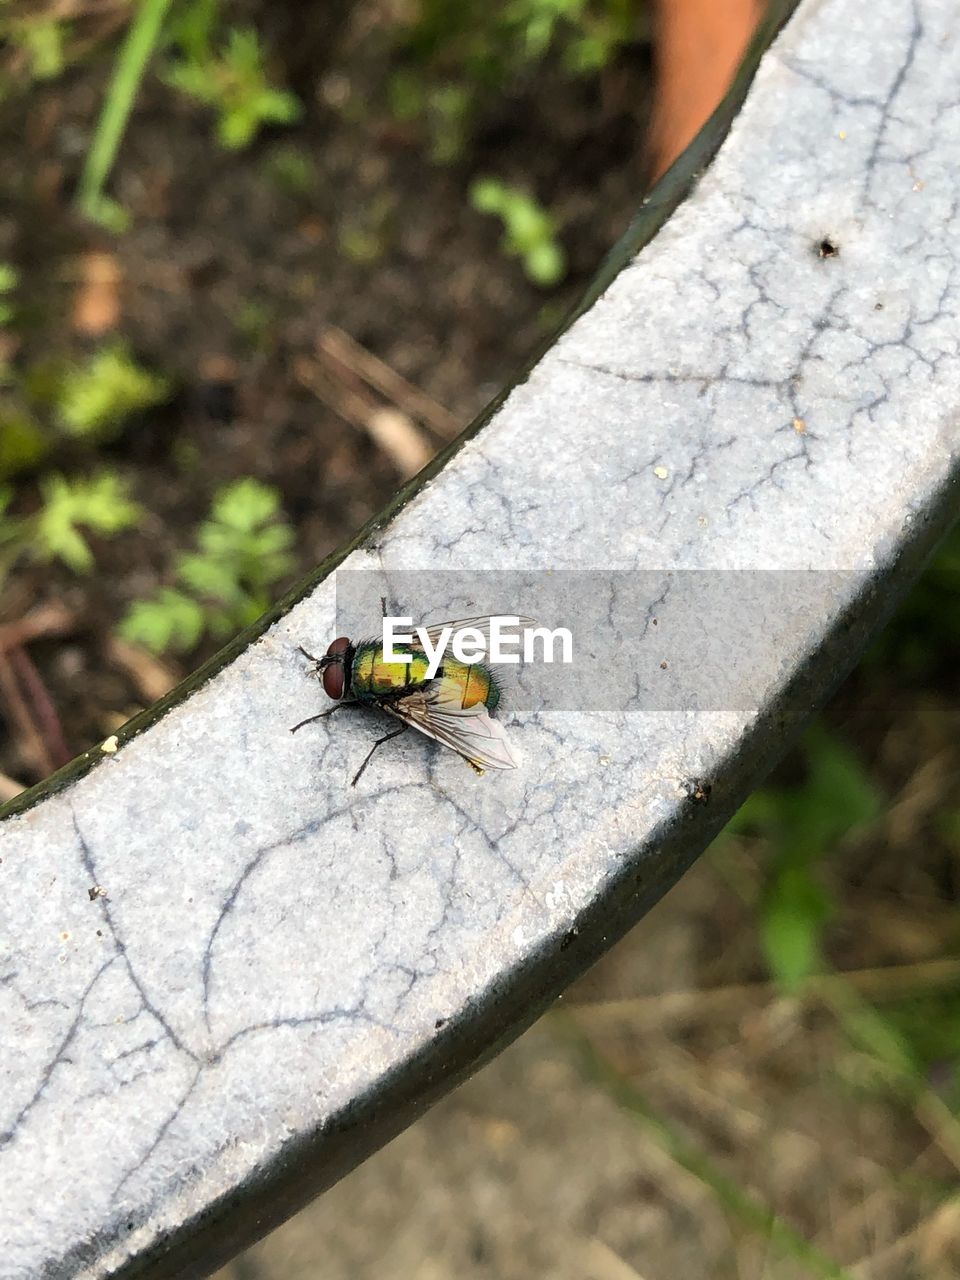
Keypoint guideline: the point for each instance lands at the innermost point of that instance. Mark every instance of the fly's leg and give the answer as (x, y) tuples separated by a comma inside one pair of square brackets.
[(323, 714), (309, 656), (379, 743)]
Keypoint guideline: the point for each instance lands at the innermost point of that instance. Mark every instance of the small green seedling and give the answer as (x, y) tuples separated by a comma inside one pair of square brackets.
[(170, 622), (587, 35), (242, 550), (458, 56), (41, 39), (530, 230), (234, 82), (94, 400), (99, 504), (538, 21)]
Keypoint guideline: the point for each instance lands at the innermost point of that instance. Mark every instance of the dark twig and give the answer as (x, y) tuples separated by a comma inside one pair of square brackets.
[(41, 705), (31, 744)]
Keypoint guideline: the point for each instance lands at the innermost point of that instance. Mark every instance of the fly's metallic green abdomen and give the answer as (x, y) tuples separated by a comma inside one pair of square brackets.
[(372, 679)]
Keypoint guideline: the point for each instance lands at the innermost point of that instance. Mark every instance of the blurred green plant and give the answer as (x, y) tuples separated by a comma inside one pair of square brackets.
[(192, 26), (911, 1049), (132, 59), (802, 824), (44, 41), (243, 549), (233, 80), (23, 441), (530, 231), (486, 44), (589, 33), (38, 36), (9, 279), (90, 402), (99, 504), (457, 53), (95, 399)]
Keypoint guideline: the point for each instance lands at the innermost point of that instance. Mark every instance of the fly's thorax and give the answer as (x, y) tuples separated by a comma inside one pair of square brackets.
[(372, 677), (472, 683)]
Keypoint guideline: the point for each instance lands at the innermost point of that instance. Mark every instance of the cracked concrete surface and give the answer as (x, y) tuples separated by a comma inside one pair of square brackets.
[(271, 945)]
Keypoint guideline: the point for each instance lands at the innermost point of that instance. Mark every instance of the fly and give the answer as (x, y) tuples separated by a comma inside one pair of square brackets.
[(455, 707)]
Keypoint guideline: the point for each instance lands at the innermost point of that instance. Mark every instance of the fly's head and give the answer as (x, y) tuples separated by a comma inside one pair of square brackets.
[(334, 667)]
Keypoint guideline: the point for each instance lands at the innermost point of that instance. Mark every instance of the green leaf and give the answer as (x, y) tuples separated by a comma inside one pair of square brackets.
[(170, 621), (530, 231), (191, 27), (839, 795), (44, 42), (235, 83), (245, 504), (97, 398), (237, 128), (273, 540), (546, 265), (794, 914), (836, 798), (527, 224), (193, 80), (100, 504), (9, 279), (487, 195), (802, 824), (207, 576), (762, 812), (221, 623), (242, 550)]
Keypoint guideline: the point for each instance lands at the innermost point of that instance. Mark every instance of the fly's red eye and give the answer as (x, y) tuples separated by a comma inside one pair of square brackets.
[(334, 675), (333, 679)]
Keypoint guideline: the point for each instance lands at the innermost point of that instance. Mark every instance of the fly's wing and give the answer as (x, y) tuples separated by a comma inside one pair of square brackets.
[(481, 624), (471, 732)]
